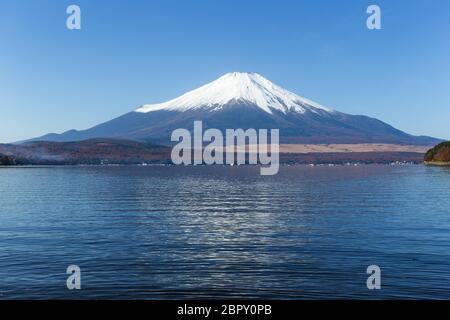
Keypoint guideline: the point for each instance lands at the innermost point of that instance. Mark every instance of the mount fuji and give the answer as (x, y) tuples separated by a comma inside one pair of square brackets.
[(245, 100)]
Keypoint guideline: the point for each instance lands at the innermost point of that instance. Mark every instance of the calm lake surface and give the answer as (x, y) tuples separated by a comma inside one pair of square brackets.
[(225, 232)]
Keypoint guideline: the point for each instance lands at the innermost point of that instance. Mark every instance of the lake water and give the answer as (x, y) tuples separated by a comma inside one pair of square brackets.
[(225, 232)]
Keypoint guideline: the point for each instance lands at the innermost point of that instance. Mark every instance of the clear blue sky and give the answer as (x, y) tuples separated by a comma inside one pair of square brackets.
[(133, 52)]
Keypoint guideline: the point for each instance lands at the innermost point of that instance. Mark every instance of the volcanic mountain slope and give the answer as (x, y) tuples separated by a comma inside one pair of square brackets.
[(245, 100)]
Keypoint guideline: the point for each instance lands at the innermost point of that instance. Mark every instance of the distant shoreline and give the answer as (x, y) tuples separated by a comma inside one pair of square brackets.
[(125, 152), (437, 163), (355, 164)]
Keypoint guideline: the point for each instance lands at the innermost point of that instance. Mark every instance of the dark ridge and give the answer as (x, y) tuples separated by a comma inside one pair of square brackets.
[(93, 151), (117, 151)]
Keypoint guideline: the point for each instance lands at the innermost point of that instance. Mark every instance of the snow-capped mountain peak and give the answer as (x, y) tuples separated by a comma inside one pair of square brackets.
[(245, 100), (238, 87)]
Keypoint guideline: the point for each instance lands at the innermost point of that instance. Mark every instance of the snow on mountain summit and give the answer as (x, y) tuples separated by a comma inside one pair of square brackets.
[(238, 87)]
